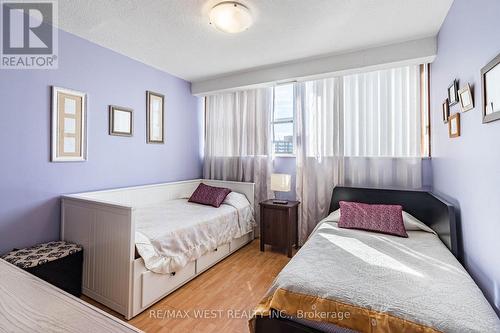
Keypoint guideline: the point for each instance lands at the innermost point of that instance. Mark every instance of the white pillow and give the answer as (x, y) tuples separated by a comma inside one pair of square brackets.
[(411, 222), (334, 216), (237, 200)]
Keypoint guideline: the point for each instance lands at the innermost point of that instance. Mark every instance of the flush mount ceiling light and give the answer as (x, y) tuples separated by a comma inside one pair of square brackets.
[(231, 17)]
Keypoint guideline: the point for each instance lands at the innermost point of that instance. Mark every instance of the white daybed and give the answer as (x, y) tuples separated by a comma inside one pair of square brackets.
[(104, 223)]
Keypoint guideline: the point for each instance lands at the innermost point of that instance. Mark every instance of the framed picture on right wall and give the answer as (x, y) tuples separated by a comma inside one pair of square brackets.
[(446, 111), (454, 125), (465, 98), (453, 93), (490, 88)]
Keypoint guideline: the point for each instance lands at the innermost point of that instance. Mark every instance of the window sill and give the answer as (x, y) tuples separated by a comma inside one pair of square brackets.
[(284, 155), (294, 156)]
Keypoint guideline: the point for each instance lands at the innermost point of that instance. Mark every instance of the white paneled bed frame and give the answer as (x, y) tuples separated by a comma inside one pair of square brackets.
[(103, 223)]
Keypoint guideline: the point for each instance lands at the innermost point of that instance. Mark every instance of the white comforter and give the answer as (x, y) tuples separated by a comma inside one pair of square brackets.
[(415, 278), (171, 234)]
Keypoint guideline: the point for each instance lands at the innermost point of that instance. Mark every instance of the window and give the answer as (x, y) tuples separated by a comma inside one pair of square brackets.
[(425, 148), (386, 113), (283, 116)]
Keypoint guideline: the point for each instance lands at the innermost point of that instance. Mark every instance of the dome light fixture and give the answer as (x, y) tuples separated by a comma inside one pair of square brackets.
[(231, 17)]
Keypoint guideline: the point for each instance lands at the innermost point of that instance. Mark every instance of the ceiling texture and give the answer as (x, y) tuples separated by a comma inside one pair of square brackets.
[(175, 35)]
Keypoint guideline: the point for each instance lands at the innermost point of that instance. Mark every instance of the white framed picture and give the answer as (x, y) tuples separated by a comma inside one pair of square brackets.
[(155, 114), (120, 121), (465, 98), (68, 125)]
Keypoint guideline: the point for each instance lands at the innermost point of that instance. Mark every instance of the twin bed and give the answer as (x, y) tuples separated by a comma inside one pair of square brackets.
[(347, 280), (142, 243)]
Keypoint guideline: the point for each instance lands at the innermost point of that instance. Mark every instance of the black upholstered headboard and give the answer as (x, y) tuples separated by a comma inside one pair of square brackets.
[(425, 206)]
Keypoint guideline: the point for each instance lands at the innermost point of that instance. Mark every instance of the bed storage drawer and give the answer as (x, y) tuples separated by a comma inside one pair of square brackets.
[(210, 258), (239, 242), (155, 286)]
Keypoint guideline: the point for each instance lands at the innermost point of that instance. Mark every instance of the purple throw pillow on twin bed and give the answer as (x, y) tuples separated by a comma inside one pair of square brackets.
[(387, 219), (209, 195)]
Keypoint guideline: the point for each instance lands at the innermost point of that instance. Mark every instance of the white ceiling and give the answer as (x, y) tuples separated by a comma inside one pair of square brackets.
[(175, 35)]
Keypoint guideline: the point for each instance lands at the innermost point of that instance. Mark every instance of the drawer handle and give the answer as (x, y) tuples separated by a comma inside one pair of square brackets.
[(172, 274)]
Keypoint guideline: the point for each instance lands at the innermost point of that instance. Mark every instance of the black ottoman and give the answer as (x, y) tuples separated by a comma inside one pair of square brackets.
[(59, 263)]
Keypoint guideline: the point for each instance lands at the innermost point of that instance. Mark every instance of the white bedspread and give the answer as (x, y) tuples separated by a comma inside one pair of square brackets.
[(171, 234), (415, 278)]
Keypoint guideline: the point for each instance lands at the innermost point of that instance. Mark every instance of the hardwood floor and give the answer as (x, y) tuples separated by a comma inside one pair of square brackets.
[(219, 300)]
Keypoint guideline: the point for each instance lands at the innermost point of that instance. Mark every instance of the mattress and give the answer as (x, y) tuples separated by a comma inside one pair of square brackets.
[(171, 234), (371, 282)]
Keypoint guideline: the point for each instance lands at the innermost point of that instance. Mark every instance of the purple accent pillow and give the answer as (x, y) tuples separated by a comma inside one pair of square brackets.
[(209, 195), (387, 219)]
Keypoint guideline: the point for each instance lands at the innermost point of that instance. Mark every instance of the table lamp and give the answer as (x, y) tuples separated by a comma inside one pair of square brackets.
[(280, 182)]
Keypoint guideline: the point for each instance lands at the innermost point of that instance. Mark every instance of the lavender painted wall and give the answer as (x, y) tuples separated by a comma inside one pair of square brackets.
[(30, 184), (466, 169)]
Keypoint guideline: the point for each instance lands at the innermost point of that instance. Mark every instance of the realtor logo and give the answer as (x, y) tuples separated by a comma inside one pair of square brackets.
[(29, 39)]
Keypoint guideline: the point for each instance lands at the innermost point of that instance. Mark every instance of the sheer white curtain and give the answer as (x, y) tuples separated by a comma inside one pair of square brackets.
[(362, 130), (382, 122), (319, 128), (238, 138)]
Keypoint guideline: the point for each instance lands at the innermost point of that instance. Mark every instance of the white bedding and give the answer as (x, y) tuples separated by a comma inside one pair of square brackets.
[(415, 278), (171, 234)]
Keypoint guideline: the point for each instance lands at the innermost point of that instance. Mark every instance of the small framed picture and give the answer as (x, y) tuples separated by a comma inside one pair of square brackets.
[(465, 97), (68, 128), (453, 93), (446, 111), (454, 125), (120, 121), (155, 113)]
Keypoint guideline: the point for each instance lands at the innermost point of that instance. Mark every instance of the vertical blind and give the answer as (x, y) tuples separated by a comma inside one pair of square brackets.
[(376, 114), (321, 126), (382, 113)]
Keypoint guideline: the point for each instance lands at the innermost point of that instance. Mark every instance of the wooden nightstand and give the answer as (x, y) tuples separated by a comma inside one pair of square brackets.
[(278, 225)]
